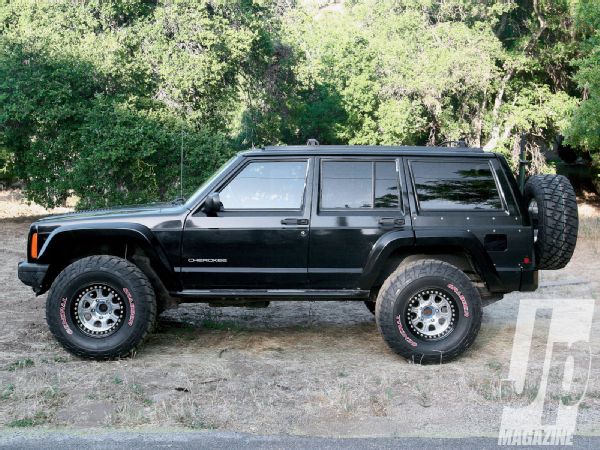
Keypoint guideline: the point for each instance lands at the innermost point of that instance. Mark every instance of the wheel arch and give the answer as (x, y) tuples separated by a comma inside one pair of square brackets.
[(134, 242), (459, 248)]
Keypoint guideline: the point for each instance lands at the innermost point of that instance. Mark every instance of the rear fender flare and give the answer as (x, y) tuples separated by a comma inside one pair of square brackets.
[(424, 241), (380, 252), (464, 240)]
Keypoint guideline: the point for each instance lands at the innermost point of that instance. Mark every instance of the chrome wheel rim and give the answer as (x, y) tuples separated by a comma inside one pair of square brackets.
[(99, 310), (431, 314)]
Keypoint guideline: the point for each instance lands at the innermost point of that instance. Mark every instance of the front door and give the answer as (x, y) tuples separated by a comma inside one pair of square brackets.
[(360, 200), (260, 239)]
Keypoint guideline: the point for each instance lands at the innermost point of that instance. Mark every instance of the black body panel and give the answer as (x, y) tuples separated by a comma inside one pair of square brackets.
[(318, 249)]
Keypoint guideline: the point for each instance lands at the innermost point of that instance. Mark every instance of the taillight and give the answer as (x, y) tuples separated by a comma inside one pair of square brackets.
[(34, 246)]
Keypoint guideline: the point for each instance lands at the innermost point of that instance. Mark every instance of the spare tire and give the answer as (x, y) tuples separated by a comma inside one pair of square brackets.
[(553, 209)]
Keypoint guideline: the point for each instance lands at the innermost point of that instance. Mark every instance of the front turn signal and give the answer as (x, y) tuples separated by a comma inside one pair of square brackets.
[(34, 246)]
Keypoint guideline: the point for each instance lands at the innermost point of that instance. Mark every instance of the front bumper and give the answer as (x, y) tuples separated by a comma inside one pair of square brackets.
[(32, 274)]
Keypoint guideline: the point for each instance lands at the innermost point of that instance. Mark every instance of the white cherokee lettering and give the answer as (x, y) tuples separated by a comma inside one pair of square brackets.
[(207, 260)]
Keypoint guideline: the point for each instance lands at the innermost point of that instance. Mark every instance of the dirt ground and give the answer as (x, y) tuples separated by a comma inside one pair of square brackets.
[(306, 368)]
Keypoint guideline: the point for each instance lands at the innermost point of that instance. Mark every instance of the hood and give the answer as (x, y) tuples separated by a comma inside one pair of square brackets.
[(119, 213)]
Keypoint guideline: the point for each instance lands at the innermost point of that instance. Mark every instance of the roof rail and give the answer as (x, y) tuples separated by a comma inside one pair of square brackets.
[(368, 148)]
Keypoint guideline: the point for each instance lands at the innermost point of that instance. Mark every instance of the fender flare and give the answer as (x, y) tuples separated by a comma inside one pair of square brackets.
[(429, 238), (68, 235), (467, 241), (380, 252)]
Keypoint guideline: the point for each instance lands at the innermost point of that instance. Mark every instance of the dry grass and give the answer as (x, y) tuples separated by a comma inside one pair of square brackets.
[(295, 367), (13, 205)]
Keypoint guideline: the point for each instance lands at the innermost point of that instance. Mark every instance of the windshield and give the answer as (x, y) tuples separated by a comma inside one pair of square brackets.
[(191, 201)]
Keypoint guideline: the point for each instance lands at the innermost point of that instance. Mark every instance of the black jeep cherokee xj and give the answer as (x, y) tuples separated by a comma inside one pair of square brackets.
[(425, 236)]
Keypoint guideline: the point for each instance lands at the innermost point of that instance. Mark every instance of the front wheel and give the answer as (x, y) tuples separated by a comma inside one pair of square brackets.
[(101, 307), (428, 311)]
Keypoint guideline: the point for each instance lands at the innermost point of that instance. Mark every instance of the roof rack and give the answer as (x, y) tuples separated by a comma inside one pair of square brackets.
[(315, 147)]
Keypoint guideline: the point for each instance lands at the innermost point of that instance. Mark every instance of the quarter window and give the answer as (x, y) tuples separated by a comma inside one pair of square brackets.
[(443, 185), (267, 185), (359, 185)]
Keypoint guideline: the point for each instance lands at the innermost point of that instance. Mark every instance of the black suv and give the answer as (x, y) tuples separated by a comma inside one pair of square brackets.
[(425, 236)]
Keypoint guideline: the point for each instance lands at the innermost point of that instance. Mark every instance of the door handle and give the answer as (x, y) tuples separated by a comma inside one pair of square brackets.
[(294, 221), (392, 221)]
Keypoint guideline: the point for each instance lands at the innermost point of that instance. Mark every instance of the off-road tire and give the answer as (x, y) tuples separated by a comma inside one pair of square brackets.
[(557, 220), (403, 285), (129, 284)]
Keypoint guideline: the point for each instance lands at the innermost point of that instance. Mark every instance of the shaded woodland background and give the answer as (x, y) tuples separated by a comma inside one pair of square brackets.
[(97, 98)]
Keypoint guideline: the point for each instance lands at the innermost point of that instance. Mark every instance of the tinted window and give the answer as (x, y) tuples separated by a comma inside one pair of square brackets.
[(455, 185), (266, 185), (349, 184), (386, 185), (346, 184)]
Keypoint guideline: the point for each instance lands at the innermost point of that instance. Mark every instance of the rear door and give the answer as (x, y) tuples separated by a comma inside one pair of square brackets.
[(357, 201), (260, 239)]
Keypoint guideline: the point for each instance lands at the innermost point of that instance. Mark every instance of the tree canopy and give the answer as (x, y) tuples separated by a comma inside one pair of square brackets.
[(98, 98)]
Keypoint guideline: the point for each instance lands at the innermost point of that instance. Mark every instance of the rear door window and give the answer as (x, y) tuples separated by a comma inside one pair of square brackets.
[(455, 185), (359, 185)]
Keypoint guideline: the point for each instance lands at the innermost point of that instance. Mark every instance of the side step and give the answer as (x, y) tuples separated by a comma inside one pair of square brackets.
[(273, 294)]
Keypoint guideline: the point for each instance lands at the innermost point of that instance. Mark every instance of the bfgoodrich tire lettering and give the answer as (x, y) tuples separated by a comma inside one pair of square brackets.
[(115, 278), (444, 284)]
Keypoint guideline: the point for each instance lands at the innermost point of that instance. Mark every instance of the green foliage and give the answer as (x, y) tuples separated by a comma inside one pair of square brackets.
[(97, 98), (585, 127)]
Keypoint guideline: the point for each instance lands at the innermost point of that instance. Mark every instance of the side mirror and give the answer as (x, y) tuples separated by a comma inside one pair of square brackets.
[(212, 204)]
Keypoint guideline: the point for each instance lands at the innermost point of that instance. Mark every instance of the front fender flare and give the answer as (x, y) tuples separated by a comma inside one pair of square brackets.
[(70, 235)]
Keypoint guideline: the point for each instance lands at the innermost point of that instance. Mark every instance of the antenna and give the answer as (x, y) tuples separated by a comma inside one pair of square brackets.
[(181, 164)]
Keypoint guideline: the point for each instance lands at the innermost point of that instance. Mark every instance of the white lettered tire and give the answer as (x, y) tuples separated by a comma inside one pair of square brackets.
[(101, 307), (428, 311)]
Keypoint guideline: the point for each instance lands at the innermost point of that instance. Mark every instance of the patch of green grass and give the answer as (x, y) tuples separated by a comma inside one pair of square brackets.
[(147, 402), (494, 365), (225, 325), (117, 380), (19, 364), (52, 393), (7, 392), (137, 389), (39, 418), (389, 394)]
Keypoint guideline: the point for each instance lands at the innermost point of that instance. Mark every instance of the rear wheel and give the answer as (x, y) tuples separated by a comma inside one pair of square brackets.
[(101, 307), (428, 311)]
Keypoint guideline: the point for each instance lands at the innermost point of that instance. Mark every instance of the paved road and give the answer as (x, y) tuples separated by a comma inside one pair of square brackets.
[(223, 440)]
